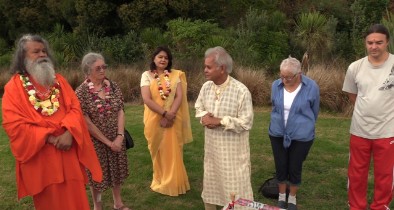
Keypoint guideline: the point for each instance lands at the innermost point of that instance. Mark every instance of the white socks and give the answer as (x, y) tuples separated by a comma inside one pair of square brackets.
[(292, 199), (282, 197)]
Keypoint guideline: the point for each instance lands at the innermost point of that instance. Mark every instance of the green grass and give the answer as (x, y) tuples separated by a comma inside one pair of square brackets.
[(324, 172)]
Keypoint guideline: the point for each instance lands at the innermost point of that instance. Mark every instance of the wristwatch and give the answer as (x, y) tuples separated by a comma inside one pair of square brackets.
[(120, 134)]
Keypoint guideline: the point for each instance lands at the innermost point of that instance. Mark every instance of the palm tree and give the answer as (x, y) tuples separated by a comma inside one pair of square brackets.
[(314, 33)]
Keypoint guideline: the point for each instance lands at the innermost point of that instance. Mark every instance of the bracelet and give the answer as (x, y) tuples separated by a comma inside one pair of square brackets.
[(164, 114), (120, 134)]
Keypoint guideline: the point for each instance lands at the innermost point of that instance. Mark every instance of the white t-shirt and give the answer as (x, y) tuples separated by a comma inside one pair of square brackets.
[(288, 99), (373, 115)]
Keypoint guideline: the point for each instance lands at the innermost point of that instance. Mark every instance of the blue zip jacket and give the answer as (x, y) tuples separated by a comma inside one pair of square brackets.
[(303, 112)]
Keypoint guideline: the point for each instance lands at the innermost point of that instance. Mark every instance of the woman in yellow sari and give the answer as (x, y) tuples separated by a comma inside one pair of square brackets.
[(167, 123)]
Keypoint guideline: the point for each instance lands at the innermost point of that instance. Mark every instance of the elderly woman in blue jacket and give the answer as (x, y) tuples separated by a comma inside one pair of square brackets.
[(295, 105)]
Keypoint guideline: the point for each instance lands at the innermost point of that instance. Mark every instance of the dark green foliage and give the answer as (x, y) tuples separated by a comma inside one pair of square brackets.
[(261, 36), (365, 13), (189, 37), (152, 38), (314, 34), (24, 16), (99, 17), (141, 13), (121, 49), (64, 11), (388, 21), (261, 39), (5, 59)]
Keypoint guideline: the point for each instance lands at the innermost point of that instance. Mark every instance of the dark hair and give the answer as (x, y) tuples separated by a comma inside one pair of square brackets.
[(18, 62), (157, 51), (378, 28)]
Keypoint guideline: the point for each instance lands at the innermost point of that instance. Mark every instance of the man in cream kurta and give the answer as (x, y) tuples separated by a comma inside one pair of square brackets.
[(225, 108)]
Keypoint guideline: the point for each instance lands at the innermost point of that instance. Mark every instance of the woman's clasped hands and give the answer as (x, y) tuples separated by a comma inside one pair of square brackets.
[(116, 145), (168, 120)]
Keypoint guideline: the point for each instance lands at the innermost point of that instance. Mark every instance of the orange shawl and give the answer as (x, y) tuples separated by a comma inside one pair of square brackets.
[(39, 164)]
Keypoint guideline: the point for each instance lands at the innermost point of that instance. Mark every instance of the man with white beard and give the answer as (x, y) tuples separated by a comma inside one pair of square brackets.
[(47, 131)]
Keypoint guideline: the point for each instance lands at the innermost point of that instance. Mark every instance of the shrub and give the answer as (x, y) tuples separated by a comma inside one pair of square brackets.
[(257, 83), (194, 71), (152, 38), (128, 79), (121, 49), (189, 37), (259, 39), (330, 80), (5, 75), (5, 60)]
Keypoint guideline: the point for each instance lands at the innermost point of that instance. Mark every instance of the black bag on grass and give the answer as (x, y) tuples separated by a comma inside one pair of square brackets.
[(270, 189)]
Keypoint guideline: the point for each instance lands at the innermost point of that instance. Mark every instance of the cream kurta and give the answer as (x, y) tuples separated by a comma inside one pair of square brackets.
[(227, 154)]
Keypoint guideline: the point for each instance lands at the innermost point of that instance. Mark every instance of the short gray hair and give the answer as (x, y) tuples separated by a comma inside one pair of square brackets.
[(292, 64), (221, 57), (18, 61), (88, 60)]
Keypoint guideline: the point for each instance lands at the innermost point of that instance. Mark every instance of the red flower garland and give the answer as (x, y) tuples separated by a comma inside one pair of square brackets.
[(103, 105), (166, 93)]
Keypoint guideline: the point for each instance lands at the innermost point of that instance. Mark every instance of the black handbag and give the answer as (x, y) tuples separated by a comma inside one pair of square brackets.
[(270, 189), (128, 139)]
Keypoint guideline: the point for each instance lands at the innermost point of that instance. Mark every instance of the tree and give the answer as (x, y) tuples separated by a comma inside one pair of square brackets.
[(141, 14), (98, 17), (25, 16), (261, 39), (314, 34), (189, 37), (365, 13)]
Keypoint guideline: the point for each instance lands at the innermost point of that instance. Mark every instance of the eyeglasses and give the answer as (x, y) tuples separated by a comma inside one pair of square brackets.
[(102, 67), (288, 78)]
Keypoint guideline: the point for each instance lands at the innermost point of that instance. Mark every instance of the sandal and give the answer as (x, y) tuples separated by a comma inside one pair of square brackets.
[(122, 208)]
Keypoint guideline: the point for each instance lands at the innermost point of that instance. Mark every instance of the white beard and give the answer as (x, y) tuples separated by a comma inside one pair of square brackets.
[(41, 70)]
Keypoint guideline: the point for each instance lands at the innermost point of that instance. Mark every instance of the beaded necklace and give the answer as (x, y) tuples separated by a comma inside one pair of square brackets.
[(166, 93), (103, 105), (46, 106)]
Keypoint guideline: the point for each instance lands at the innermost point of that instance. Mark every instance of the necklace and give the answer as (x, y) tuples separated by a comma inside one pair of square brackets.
[(166, 93), (48, 104), (103, 105), (219, 89)]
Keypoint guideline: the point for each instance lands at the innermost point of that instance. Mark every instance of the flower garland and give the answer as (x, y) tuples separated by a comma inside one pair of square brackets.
[(46, 106), (103, 105), (166, 93)]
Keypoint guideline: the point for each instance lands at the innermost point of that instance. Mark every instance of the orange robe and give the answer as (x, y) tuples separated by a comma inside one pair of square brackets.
[(40, 167)]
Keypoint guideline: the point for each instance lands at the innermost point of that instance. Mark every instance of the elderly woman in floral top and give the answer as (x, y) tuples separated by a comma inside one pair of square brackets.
[(102, 105)]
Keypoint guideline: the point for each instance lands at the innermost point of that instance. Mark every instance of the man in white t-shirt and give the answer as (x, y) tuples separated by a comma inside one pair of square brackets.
[(369, 83)]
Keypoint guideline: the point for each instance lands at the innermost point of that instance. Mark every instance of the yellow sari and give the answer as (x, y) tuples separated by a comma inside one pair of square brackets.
[(166, 144)]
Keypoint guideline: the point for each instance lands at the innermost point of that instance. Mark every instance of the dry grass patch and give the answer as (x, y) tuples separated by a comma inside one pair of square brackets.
[(257, 83), (330, 80), (328, 77)]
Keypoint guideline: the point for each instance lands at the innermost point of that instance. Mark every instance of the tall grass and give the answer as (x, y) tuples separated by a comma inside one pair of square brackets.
[(330, 80), (328, 77)]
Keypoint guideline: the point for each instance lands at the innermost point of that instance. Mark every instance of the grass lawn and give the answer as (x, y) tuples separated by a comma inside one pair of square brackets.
[(324, 174)]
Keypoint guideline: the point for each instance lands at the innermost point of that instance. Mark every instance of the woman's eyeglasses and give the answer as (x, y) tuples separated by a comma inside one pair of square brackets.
[(102, 67), (288, 78)]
